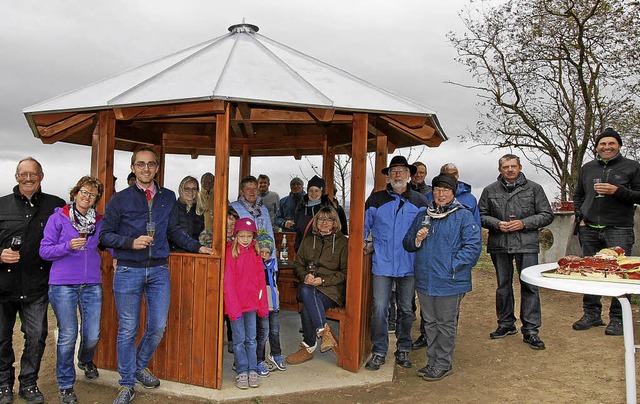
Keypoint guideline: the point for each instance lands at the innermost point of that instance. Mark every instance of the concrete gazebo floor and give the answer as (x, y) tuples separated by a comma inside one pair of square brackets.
[(321, 373)]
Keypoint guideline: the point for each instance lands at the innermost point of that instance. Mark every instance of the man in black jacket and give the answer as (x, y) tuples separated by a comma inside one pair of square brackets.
[(604, 198), (24, 279)]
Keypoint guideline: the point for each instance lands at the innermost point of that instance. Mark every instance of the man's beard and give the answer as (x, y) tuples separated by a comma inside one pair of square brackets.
[(398, 185)]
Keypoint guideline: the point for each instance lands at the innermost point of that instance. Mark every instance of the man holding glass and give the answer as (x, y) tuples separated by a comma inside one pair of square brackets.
[(514, 208), (137, 224), (604, 198), (24, 279)]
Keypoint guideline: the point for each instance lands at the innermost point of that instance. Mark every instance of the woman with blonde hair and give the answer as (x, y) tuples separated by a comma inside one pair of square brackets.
[(187, 209)]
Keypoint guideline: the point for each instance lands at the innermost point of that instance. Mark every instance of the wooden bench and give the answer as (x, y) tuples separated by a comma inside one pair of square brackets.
[(338, 314)]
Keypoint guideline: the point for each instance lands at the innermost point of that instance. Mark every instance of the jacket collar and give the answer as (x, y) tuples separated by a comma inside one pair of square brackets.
[(405, 194), (35, 198)]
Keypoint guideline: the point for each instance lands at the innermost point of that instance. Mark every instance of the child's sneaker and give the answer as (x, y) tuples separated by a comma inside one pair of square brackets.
[(242, 381), (254, 381), (276, 362), (262, 369)]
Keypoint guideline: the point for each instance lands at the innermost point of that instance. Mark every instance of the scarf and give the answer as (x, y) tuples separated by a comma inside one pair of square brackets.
[(436, 211), (79, 221), (254, 210)]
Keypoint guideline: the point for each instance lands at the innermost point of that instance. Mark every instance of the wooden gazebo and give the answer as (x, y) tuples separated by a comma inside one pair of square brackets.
[(240, 94)]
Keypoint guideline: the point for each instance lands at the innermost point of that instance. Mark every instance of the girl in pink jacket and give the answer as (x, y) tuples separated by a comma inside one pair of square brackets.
[(245, 297)]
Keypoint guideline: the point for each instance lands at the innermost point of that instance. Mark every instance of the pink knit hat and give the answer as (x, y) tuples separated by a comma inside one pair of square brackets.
[(245, 224)]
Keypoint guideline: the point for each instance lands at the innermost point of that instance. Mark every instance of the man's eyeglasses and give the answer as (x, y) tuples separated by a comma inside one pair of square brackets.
[(86, 193), (24, 176), (398, 171), (442, 190), (140, 165)]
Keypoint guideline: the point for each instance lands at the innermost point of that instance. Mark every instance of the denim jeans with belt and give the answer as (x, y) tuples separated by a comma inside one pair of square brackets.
[(593, 240), (66, 301), (244, 342), (33, 317), (405, 295), (129, 285), (530, 311), (314, 305)]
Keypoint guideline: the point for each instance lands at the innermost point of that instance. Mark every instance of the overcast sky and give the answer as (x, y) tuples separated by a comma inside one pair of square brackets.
[(52, 47)]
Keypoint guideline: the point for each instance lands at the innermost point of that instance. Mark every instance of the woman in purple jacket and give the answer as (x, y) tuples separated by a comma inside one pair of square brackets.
[(75, 282)]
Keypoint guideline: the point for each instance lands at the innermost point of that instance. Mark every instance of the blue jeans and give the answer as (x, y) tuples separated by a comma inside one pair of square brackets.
[(530, 312), (314, 305), (268, 329), (129, 284), (593, 240), (33, 316), (244, 342), (66, 301), (405, 294)]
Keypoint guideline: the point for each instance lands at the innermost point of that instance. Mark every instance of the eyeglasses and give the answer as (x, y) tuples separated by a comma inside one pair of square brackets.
[(442, 190), (325, 220), (190, 189), (24, 176), (398, 171), (140, 165), (86, 193)]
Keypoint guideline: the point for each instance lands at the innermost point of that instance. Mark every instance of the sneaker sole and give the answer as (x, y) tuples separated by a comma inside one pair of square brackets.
[(514, 332), (273, 365), (434, 379), (148, 387)]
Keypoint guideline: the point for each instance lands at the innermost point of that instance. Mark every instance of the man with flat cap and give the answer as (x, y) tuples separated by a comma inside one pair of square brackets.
[(388, 215), (604, 198)]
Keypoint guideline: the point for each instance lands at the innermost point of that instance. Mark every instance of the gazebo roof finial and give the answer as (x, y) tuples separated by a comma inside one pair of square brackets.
[(244, 27)]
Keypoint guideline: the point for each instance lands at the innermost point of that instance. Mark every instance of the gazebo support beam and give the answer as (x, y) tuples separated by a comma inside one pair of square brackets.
[(379, 180)]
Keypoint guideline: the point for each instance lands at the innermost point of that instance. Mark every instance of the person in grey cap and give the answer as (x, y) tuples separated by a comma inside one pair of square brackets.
[(286, 213), (514, 208), (604, 198)]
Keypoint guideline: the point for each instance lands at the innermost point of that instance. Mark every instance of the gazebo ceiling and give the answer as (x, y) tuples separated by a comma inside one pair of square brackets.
[(284, 103)]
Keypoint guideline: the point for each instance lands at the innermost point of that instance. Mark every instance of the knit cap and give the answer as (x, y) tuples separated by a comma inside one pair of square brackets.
[(609, 132), (265, 240)]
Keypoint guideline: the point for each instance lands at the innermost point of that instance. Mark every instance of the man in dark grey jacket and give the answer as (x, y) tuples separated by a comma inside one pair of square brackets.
[(513, 209)]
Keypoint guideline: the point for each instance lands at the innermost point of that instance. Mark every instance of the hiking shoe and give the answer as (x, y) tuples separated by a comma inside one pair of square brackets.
[(32, 395), (534, 341), (434, 374), (147, 379), (262, 369), (301, 356), (502, 332), (90, 370), (67, 396), (276, 362), (423, 371), (419, 343), (587, 322), (6, 395), (392, 328), (125, 395), (402, 359), (242, 381), (614, 328), (328, 341), (375, 362), (254, 381)]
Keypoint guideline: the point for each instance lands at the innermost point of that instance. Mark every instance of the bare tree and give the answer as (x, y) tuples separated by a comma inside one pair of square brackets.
[(552, 74)]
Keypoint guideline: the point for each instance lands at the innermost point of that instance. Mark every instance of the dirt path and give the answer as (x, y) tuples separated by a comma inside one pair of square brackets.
[(576, 367)]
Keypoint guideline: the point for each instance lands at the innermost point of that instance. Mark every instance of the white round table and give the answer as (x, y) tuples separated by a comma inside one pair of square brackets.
[(533, 275)]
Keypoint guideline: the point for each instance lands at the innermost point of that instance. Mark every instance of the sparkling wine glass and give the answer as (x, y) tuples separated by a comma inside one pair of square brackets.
[(151, 230), (82, 232), (597, 181), (426, 223)]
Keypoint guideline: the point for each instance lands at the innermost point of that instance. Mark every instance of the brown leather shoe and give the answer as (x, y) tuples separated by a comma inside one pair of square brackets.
[(328, 340), (301, 356)]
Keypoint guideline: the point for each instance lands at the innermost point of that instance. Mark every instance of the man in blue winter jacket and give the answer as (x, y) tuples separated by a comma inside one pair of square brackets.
[(388, 215), (142, 254)]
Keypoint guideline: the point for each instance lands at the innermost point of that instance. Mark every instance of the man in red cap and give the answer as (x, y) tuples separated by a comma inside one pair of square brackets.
[(604, 198), (388, 215)]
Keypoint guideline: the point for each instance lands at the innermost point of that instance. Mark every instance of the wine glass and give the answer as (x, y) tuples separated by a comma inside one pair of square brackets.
[(82, 232), (597, 181), (16, 243), (151, 230), (426, 223)]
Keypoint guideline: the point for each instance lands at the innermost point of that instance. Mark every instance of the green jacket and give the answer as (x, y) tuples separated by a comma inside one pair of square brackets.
[(330, 254)]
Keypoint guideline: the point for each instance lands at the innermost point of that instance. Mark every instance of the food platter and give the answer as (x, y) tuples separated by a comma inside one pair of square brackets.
[(552, 273), (608, 265)]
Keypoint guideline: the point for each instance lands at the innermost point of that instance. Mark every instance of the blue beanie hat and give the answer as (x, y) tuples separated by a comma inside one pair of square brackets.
[(265, 241)]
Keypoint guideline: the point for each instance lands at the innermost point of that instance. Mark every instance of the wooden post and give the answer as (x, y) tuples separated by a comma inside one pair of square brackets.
[(245, 161), (355, 305), (379, 180), (328, 169)]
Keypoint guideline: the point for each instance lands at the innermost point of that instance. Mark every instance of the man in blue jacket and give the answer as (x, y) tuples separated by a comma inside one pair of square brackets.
[(142, 267), (388, 215)]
